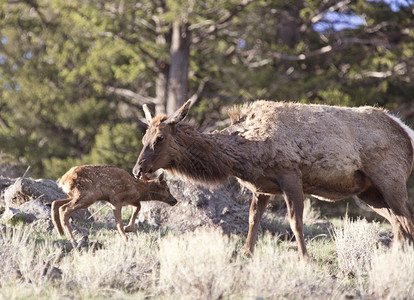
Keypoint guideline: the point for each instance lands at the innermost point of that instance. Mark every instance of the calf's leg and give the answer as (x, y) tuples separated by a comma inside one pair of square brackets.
[(131, 225), (55, 214), (117, 209), (66, 210)]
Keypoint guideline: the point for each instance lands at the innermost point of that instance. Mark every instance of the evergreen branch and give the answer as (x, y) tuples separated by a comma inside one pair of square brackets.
[(236, 10), (35, 6), (300, 57), (136, 99), (344, 44), (336, 6), (3, 124), (197, 95), (223, 21)]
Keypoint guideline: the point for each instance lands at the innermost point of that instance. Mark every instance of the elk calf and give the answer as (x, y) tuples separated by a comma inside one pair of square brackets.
[(90, 183)]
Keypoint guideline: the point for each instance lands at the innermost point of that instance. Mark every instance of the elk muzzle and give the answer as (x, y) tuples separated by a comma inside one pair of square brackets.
[(139, 171), (172, 201)]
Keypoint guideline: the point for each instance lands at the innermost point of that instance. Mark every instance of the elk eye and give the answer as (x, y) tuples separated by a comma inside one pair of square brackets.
[(159, 139)]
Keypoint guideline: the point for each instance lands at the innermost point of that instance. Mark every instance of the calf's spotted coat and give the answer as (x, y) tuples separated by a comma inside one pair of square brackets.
[(90, 183)]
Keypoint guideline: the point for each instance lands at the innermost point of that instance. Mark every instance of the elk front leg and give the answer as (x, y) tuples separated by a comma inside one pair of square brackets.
[(131, 225), (291, 186), (257, 208), (118, 219)]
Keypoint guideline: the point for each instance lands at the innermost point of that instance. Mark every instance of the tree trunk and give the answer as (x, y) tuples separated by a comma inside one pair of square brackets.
[(289, 23), (161, 86), (161, 82), (178, 75)]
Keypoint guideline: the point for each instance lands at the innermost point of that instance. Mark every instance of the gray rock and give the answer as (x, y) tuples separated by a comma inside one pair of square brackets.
[(24, 190), (80, 232), (226, 207), (36, 196), (52, 273), (82, 216), (14, 215), (4, 183), (43, 225), (35, 208), (3, 229)]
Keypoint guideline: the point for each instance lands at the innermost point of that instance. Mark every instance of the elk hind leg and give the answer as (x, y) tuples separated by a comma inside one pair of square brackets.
[(291, 185), (56, 216), (402, 212), (394, 206), (373, 198)]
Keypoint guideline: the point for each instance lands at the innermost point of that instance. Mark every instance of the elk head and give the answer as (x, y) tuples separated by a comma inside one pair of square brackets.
[(159, 144)]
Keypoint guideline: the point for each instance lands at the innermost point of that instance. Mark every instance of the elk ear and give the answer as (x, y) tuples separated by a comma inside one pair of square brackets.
[(180, 114), (147, 113), (160, 178)]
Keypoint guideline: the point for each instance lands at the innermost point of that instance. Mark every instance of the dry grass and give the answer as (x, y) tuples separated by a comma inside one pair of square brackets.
[(275, 272), (205, 264), (355, 243), (197, 265), (119, 266), (391, 275)]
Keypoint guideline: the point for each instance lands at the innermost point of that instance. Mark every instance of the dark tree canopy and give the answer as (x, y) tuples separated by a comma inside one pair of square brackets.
[(75, 74)]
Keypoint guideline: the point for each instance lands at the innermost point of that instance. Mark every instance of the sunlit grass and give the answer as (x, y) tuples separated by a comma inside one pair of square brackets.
[(391, 275), (205, 264)]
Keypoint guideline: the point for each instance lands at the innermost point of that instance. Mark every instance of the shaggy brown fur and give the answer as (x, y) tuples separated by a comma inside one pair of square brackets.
[(90, 183), (293, 149)]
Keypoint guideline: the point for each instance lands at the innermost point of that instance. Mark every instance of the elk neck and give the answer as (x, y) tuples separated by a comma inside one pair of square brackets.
[(208, 158), (144, 189)]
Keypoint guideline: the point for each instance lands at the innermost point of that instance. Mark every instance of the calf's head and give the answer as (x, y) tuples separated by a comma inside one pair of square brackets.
[(159, 191), (159, 147)]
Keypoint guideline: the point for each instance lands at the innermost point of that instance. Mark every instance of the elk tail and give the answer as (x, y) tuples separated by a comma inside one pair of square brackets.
[(409, 132)]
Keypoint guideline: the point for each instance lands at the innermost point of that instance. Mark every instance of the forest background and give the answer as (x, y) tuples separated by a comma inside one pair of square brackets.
[(75, 74)]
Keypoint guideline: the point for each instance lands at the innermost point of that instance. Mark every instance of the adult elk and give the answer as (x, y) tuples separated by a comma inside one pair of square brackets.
[(90, 183), (292, 149)]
